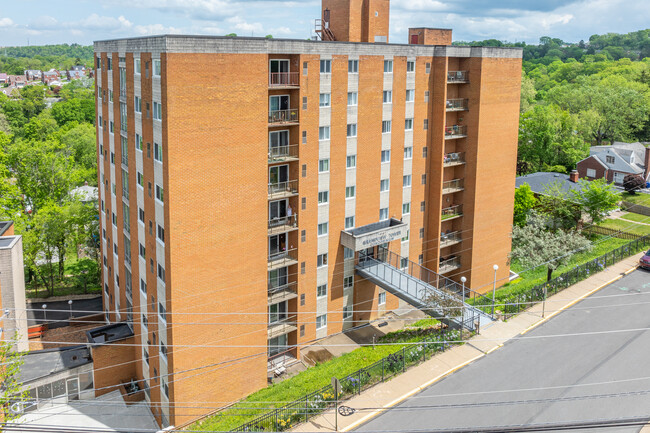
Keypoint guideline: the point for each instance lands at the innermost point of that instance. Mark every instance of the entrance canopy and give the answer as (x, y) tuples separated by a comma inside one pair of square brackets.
[(361, 238)]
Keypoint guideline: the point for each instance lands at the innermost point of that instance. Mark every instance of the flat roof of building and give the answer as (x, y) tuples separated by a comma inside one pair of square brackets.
[(539, 181), (374, 227), (8, 241), (109, 333), (4, 226), (254, 45), (42, 363)]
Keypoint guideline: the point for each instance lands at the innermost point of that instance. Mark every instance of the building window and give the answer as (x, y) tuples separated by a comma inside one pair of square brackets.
[(161, 273), (161, 312), (323, 165), (351, 161), (388, 66), (303, 202), (140, 180), (349, 191), (303, 236), (322, 229), (406, 236), (410, 66), (321, 260), (324, 133), (304, 137), (157, 111), (305, 68), (424, 152), (325, 66), (426, 96), (321, 290), (138, 142), (591, 172), (421, 232), (408, 124), (353, 66), (403, 263), (321, 321), (163, 351), (348, 282), (422, 206), (426, 124), (385, 127), (610, 159), (138, 105), (323, 197), (347, 312), (143, 251), (352, 130), (161, 233), (406, 208), (304, 102), (388, 97), (348, 253), (384, 185), (382, 298), (410, 95), (160, 194), (352, 99), (383, 214), (427, 69), (110, 96), (406, 181), (408, 152), (156, 68), (141, 215), (349, 222), (110, 126), (304, 172), (385, 156), (137, 66), (424, 179), (325, 99)]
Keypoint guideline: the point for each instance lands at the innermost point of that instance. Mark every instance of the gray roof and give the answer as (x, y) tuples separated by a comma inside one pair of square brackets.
[(4, 226), (42, 363), (109, 333), (628, 157), (373, 227), (539, 181)]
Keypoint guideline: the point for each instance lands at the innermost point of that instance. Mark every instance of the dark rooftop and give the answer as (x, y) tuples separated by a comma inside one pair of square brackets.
[(109, 333), (539, 181), (4, 226), (381, 225), (42, 363), (6, 241)]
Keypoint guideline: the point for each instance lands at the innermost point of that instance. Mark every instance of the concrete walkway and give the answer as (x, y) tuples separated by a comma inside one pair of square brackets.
[(492, 337)]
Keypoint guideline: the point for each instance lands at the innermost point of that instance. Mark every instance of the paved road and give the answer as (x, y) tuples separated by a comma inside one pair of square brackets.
[(567, 367), (56, 319)]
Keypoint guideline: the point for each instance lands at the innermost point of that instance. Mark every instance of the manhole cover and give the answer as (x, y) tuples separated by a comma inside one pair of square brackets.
[(346, 410)]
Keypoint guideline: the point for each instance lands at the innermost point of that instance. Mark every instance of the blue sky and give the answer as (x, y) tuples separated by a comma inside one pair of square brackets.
[(83, 21)]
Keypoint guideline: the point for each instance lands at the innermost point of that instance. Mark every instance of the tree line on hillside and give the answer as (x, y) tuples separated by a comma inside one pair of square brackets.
[(45, 153), (16, 60)]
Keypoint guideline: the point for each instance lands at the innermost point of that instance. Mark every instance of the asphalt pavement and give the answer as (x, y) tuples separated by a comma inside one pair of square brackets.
[(58, 312), (589, 362)]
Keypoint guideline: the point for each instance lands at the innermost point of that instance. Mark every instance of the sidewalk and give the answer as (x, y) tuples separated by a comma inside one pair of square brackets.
[(493, 336)]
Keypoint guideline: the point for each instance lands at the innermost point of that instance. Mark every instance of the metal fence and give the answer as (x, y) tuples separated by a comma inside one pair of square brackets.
[(312, 404), (513, 305), (606, 231)]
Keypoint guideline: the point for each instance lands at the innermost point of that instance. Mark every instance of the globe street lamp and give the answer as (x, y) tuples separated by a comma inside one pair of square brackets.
[(494, 287)]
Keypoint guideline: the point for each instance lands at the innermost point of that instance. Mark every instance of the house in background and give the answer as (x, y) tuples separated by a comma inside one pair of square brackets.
[(4, 78), (539, 181), (615, 162), (33, 75)]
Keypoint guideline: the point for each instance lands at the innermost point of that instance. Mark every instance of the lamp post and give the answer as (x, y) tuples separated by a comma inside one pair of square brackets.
[(44, 306), (462, 320), (70, 304), (494, 287)]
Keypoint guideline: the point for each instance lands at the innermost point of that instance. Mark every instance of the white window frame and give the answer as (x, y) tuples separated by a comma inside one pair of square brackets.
[(326, 66), (406, 208), (156, 68), (350, 192), (321, 321), (408, 124), (352, 130), (323, 229), (385, 156), (388, 66), (323, 165), (407, 181), (322, 258), (353, 66), (384, 185), (410, 66), (349, 219), (383, 214), (325, 100), (353, 99), (323, 198), (323, 133), (137, 66), (386, 126), (410, 95), (321, 291), (381, 299), (387, 96), (351, 161), (408, 152), (591, 172)]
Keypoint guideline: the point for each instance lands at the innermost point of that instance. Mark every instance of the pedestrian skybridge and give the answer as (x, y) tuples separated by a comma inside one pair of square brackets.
[(436, 295)]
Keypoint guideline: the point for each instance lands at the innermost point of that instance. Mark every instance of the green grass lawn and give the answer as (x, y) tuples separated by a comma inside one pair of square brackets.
[(638, 229), (637, 217), (313, 379), (642, 199)]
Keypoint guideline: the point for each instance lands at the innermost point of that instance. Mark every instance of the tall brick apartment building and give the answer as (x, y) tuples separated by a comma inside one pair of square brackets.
[(234, 170)]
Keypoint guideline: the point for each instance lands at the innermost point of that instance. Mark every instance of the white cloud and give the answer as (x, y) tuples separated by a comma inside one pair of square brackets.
[(96, 22), (246, 28), (156, 29), (420, 5), (44, 22), (6, 22)]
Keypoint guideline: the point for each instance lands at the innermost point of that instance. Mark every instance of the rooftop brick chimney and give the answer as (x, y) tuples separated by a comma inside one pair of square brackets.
[(574, 176)]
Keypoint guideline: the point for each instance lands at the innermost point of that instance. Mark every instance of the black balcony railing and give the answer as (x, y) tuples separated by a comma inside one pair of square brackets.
[(457, 77), (454, 158), (457, 104), (455, 131), (275, 288), (283, 116), (284, 79), (282, 153)]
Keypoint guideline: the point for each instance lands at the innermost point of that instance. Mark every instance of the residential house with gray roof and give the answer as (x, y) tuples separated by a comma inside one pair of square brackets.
[(614, 162)]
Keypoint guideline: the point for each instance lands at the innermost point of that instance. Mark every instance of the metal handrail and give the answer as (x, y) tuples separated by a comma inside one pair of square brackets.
[(454, 158), (457, 76), (283, 79), (283, 255), (288, 220), (453, 184), (289, 319), (457, 104), (288, 286), (279, 153), (283, 116), (450, 238), (452, 211), (453, 262), (455, 131), (290, 186)]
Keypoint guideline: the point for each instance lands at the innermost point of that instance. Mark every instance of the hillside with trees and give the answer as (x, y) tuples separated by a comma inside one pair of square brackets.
[(15, 60)]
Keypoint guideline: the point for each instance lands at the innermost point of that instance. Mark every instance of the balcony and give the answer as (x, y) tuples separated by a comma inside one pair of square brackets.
[(282, 326), (452, 186), (458, 104), (452, 212), (457, 77), (282, 293), (283, 117), (284, 79), (283, 224), (454, 158), (450, 238), (455, 131), (281, 259), (448, 265), (283, 153), (283, 189)]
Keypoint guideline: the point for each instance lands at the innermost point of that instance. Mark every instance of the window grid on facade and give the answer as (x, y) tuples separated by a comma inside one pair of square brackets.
[(388, 97), (349, 222), (384, 185), (352, 130), (351, 161), (408, 152), (349, 191), (406, 181), (382, 298), (325, 66), (353, 66), (323, 229), (406, 208), (410, 95), (383, 214), (323, 165), (388, 66), (385, 156), (323, 197), (352, 99), (321, 291), (385, 126), (324, 99), (321, 321)]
